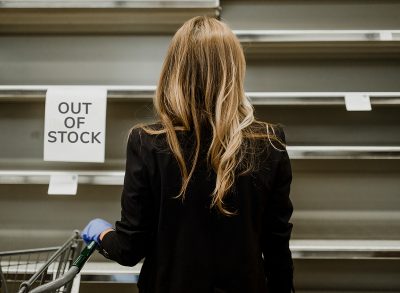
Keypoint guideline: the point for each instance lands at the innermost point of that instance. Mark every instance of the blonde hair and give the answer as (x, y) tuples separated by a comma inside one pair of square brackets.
[(201, 83)]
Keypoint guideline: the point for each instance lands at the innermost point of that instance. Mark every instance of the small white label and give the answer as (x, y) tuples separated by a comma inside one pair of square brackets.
[(357, 102), (386, 36), (75, 121), (63, 184)]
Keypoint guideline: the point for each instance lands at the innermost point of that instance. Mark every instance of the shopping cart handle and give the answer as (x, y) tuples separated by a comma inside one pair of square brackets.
[(70, 274), (85, 254)]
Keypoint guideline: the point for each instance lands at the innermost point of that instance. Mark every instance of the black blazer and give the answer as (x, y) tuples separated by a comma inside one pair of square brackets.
[(190, 248)]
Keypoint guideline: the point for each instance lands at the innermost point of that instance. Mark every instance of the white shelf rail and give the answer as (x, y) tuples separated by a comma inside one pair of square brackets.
[(43, 177), (146, 92), (247, 36), (319, 98), (345, 249), (100, 17), (344, 152), (315, 44)]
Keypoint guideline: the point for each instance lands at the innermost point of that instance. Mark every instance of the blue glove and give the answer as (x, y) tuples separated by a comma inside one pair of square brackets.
[(93, 230)]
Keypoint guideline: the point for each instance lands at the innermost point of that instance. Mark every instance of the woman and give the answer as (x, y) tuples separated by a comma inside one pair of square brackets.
[(206, 190)]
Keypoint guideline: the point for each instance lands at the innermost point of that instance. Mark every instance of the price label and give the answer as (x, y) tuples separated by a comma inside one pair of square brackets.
[(357, 102)]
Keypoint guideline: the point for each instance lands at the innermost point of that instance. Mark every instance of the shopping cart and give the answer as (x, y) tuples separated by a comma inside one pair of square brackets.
[(45, 269)]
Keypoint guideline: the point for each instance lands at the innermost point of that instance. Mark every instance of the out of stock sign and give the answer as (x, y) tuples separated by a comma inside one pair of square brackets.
[(75, 121)]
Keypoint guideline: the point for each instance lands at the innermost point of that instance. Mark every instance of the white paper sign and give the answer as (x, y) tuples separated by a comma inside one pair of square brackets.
[(75, 121), (63, 184), (357, 102)]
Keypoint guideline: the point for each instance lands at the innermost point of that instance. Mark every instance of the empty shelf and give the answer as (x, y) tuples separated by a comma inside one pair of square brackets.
[(111, 272), (116, 177), (100, 17), (262, 44), (135, 93), (301, 249)]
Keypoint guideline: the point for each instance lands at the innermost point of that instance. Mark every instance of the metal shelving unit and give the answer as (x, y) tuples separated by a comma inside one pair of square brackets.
[(339, 206)]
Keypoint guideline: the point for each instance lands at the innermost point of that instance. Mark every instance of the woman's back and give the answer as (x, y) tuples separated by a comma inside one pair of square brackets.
[(190, 247), (206, 189)]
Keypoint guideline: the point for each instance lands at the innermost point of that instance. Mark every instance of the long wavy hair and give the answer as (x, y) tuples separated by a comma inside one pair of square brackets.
[(201, 84)]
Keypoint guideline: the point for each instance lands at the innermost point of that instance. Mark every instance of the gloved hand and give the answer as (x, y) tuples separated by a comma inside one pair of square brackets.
[(93, 230)]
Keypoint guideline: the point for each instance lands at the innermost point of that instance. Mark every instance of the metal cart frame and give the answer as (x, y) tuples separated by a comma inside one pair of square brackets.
[(55, 274)]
